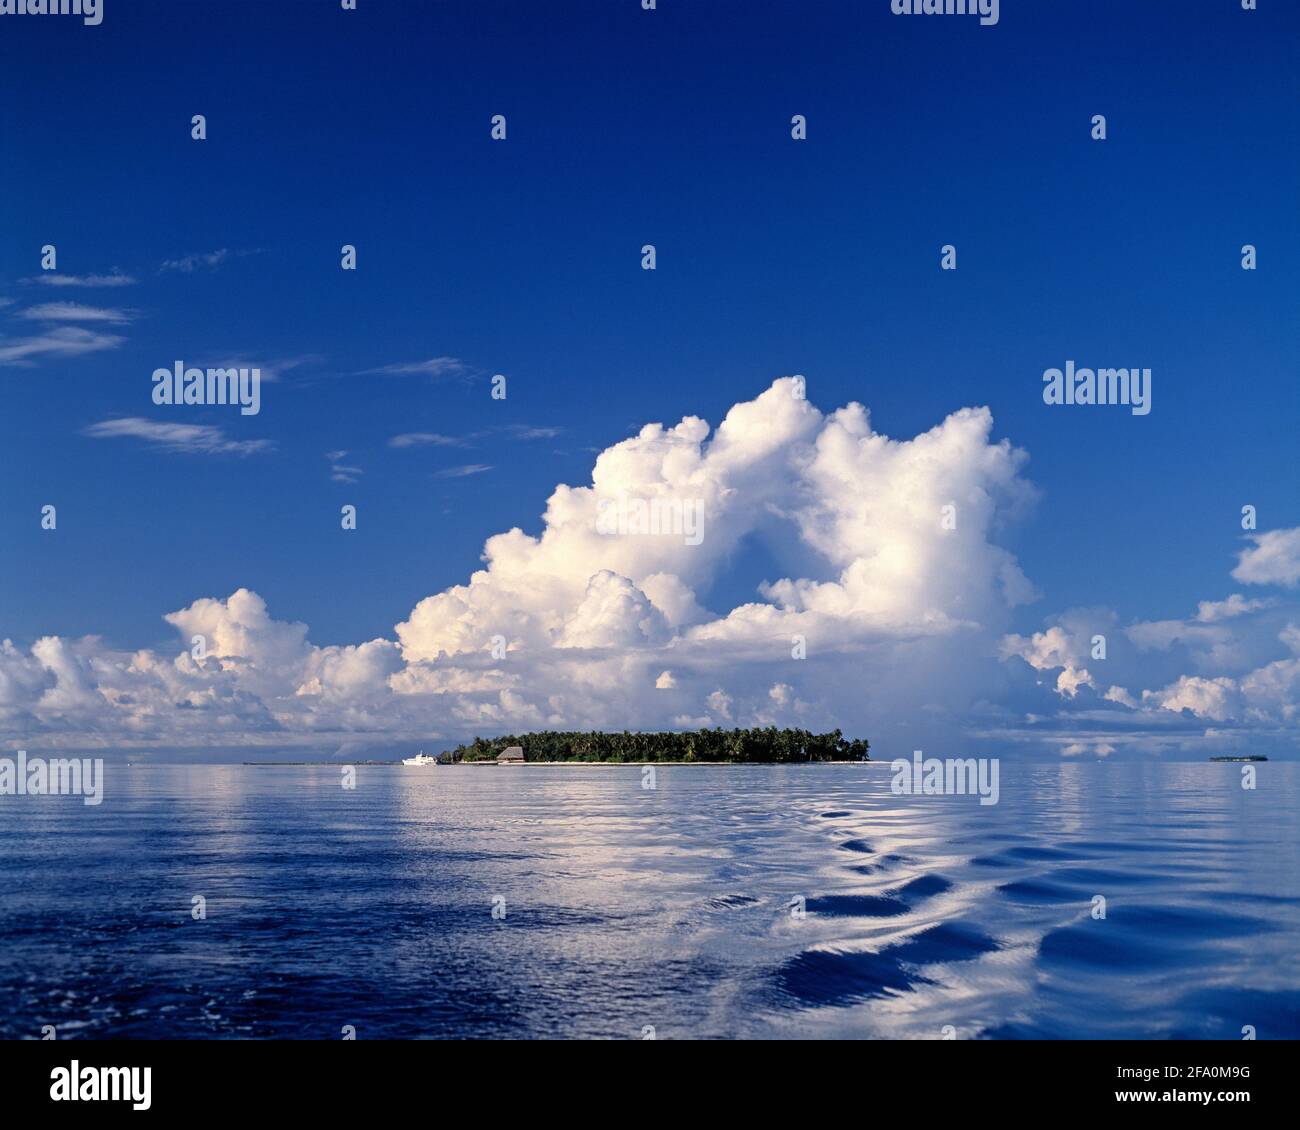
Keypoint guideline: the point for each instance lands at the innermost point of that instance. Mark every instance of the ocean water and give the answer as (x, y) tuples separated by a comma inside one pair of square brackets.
[(627, 909)]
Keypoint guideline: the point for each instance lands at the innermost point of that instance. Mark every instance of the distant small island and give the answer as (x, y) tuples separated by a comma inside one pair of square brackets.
[(1255, 757), (767, 746)]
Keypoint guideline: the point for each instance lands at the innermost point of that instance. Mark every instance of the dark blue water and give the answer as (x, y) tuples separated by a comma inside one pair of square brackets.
[(627, 908)]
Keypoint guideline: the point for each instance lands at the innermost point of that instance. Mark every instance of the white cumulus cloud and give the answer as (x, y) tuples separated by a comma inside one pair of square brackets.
[(1274, 559), (883, 618)]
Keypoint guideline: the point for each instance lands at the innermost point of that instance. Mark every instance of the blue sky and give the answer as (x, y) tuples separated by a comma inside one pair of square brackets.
[(522, 257)]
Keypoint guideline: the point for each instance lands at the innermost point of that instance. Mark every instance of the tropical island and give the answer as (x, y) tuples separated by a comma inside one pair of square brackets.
[(766, 746)]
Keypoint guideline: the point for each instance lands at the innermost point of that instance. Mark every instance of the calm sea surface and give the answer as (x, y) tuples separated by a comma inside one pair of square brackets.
[(626, 907)]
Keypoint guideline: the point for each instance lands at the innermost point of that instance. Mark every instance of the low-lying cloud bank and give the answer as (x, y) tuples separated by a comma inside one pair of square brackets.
[(892, 621)]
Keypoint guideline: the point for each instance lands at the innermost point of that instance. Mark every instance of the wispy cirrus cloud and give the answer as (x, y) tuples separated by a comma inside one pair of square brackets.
[(427, 439), (58, 278), (77, 312), (437, 439), (61, 341), (339, 471), (523, 431), (204, 261), (270, 370), (462, 471), (193, 439), (434, 367)]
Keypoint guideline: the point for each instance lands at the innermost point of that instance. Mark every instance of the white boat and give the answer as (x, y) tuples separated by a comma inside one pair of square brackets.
[(420, 758)]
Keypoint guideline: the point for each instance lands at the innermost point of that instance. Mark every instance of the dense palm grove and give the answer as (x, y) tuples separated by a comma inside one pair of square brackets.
[(768, 745)]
